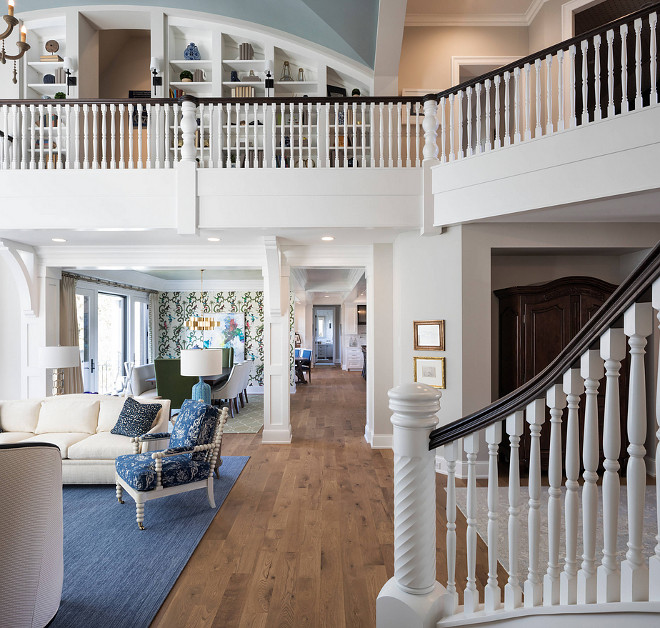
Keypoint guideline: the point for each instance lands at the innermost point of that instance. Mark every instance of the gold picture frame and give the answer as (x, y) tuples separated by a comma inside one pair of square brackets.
[(429, 335), (430, 371)]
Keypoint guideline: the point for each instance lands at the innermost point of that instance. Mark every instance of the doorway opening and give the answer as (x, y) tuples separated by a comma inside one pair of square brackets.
[(327, 345)]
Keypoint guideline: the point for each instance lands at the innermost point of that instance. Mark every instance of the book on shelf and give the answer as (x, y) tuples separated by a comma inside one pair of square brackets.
[(175, 92), (60, 76), (50, 58), (242, 91)]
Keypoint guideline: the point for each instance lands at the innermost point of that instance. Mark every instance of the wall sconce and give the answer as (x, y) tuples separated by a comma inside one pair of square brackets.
[(155, 70), (71, 81), (269, 83)]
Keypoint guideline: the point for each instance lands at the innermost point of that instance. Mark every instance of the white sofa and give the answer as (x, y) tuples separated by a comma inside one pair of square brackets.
[(80, 426)]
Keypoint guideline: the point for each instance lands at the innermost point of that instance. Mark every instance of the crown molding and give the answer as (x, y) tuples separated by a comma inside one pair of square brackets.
[(487, 19)]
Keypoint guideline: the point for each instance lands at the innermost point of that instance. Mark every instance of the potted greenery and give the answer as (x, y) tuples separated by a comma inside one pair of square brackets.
[(60, 95), (186, 76)]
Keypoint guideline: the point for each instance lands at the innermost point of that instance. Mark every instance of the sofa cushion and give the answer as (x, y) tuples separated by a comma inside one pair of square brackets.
[(19, 416), (110, 407), (63, 441), (68, 413), (8, 438), (102, 446), (139, 471), (135, 418)]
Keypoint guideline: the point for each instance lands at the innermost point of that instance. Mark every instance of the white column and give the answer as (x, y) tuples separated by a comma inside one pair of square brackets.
[(492, 591), (637, 325), (413, 598), (277, 425), (654, 561), (591, 369), (608, 576), (533, 589), (573, 387), (513, 590)]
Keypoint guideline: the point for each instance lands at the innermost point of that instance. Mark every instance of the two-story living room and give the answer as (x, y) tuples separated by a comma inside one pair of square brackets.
[(339, 266)]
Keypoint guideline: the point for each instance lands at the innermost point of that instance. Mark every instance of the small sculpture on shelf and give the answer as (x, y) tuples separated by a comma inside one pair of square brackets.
[(233, 77), (301, 75), (186, 76), (252, 77), (286, 72), (191, 53)]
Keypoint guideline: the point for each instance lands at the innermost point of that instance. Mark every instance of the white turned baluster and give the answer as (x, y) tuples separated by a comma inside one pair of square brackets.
[(273, 134), (637, 325), (188, 128), (237, 138), (17, 134), (638, 63), (584, 47), (443, 124), (407, 110), (113, 163), (610, 72), (246, 131), (597, 112), (653, 54), (60, 122), (450, 451), (492, 591), (461, 153), (141, 139), (363, 108), (533, 588), (573, 387), (430, 125), (470, 594), (507, 107), (452, 154), (487, 113), (166, 147), (654, 561), (77, 135), (573, 116), (414, 408), (624, 68), (49, 127), (300, 136), (549, 127), (104, 141), (24, 135), (382, 134), (537, 73), (326, 157), (229, 127), (498, 140), (477, 93), (372, 119), (157, 141), (33, 144), (528, 102), (516, 106), (560, 90), (390, 133), (556, 402), (41, 137), (133, 115), (513, 590), (69, 136), (292, 141), (468, 122), (399, 129), (591, 369), (310, 136), (95, 137), (608, 576), (418, 157), (255, 122), (122, 154)]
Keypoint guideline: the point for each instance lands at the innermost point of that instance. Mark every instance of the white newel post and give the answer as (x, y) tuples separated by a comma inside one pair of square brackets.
[(654, 561), (186, 170), (188, 128), (413, 598), (430, 126)]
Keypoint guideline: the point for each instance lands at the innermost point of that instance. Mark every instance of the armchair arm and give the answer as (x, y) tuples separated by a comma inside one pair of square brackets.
[(175, 451), (148, 437)]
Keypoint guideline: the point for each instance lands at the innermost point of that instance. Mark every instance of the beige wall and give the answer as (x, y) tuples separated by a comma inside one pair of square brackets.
[(426, 52), (124, 57), (545, 30)]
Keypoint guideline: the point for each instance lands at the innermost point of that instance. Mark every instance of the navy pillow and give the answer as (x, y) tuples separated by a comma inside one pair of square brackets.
[(135, 418)]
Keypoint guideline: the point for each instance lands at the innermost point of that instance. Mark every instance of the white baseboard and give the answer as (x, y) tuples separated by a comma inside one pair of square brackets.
[(650, 466), (381, 441), (276, 436), (481, 468)]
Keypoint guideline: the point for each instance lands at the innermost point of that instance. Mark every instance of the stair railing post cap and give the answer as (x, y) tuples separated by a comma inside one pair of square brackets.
[(414, 405)]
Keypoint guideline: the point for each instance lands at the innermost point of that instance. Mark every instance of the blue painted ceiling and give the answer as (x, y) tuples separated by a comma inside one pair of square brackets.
[(345, 26)]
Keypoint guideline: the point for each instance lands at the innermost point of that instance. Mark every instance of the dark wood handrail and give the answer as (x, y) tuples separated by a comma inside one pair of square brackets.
[(637, 287), (552, 50)]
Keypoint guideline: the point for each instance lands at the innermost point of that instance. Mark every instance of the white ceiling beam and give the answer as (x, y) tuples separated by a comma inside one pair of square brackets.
[(391, 20)]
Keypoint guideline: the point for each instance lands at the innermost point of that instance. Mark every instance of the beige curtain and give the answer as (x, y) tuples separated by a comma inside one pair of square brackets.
[(153, 326), (73, 382)]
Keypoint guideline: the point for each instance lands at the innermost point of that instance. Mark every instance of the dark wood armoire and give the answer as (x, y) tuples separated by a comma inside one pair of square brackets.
[(535, 323)]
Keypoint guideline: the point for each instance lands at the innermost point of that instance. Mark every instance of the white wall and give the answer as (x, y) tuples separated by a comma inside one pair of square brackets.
[(10, 336)]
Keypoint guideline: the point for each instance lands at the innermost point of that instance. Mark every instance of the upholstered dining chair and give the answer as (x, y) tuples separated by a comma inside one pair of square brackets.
[(245, 375), (306, 364), (187, 465), (231, 388)]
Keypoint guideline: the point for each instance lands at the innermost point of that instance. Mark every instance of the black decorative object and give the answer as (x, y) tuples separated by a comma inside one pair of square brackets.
[(49, 79)]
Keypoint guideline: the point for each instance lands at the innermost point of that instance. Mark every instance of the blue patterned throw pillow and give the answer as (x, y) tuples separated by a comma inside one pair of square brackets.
[(135, 418)]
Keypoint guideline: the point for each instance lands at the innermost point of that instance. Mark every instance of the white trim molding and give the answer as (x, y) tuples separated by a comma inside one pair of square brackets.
[(568, 10), (458, 61), (486, 19)]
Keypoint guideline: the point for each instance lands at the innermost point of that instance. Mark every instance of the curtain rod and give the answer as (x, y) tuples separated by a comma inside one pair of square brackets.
[(106, 282)]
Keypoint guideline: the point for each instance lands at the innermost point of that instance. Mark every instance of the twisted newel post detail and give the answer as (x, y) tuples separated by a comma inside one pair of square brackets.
[(413, 597)]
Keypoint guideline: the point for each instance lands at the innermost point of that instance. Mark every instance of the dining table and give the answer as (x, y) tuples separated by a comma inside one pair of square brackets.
[(211, 380)]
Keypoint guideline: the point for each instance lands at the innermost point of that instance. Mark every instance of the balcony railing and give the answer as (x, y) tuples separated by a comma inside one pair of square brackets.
[(216, 133)]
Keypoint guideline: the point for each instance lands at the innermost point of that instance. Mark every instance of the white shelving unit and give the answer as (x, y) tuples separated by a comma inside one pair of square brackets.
[(39, 32)]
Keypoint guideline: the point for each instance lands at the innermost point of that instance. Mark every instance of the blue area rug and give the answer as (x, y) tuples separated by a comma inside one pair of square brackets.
[(116, 575)]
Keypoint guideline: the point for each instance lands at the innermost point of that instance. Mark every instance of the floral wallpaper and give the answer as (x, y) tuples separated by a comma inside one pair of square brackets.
[(174, 308)]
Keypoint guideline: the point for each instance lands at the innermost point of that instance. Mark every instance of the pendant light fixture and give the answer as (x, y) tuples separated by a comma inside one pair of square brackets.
[(201, 323)]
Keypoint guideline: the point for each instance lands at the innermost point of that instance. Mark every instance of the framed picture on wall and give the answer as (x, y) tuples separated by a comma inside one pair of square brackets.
[(430, 371), (429, 335)]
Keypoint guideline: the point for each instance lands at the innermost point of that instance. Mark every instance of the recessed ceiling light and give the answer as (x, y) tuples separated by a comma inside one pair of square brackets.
[(58, 239), (327, 238), (326, 296), (213, 239)]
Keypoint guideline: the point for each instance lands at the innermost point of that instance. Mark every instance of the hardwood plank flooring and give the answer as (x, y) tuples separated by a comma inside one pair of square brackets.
[(305, 538)]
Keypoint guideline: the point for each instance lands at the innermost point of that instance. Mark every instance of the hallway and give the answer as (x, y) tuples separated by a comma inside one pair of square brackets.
[(305, 538)]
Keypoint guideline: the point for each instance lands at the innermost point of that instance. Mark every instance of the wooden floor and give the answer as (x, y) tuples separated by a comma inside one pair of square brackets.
[(305, 538)]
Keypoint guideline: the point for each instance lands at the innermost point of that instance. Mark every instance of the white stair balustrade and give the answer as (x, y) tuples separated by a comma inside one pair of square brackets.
[(637, 325), (654, 561)]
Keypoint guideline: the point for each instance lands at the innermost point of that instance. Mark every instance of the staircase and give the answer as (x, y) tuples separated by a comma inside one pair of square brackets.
[(560, 586)]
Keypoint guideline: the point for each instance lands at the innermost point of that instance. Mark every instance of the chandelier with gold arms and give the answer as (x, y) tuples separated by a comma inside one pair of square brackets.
[(23, 46), (201, 323)]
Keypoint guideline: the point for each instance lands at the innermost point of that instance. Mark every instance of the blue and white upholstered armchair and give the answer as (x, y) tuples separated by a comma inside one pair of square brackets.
[(187, 465)]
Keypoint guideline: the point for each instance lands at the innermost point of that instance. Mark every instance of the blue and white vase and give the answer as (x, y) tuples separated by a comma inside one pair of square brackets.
[(191, 53)]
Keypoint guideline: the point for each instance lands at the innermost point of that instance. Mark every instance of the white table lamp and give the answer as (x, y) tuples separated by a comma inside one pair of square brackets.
[(201, 363), (58, 358)]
